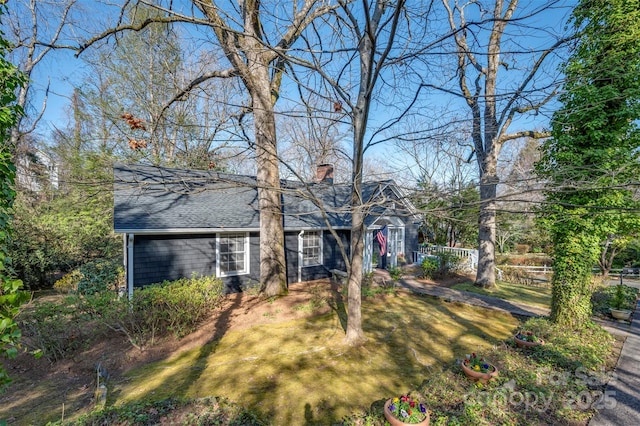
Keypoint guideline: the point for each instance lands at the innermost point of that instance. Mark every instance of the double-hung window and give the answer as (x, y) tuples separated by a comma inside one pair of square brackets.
[(233, 254), (312, 248)]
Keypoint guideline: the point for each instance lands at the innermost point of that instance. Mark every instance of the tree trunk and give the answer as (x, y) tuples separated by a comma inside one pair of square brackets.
[(273, 269), (606, 259), (485, 276), (355, 335), (571, 282)]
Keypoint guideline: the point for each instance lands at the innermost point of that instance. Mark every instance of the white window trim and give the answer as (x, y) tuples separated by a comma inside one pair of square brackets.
[(245, 270), (321, 244)]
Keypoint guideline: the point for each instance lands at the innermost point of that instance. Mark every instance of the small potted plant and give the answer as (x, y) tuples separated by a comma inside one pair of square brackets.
[(406, 411), (619, 306), (478, 369), (526, 339)]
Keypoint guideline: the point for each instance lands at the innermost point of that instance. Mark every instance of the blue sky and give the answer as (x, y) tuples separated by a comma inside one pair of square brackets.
[(61, 70)]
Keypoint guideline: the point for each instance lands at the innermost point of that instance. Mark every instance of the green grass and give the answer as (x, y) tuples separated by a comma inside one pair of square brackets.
[(300, 372), (558, 383), (530, 295)]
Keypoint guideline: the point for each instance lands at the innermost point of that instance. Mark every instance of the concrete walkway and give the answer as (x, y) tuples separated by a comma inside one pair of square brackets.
[(489, 302), (623, 391), (621, 404)]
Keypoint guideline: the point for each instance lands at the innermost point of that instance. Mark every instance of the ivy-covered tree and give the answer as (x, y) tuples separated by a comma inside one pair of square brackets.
[(10, 295), (594, 152)]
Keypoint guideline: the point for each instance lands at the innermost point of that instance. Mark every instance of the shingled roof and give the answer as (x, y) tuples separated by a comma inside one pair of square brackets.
[(150, 199)]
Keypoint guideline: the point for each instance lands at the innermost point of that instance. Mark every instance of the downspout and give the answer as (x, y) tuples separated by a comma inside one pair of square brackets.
[(129, 263), (121, 290), (300, 259)]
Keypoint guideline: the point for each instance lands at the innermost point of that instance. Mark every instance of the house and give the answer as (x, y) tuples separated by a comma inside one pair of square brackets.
[(179, 222)]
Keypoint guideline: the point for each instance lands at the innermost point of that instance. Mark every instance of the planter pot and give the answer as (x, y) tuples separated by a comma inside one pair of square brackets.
[(620, 314), (478, 376), (526, 344), (395, 422)]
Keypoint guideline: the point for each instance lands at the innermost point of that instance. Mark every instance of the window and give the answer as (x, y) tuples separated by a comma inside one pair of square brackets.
[(396, 241), (233, 254), (312, 248)]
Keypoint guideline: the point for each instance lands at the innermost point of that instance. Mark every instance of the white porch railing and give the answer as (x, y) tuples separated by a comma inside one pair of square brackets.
[(469, 256)]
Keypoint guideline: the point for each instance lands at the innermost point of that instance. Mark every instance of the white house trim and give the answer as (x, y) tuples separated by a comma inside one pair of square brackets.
[(129, 263), (247, 255), (300, 255)]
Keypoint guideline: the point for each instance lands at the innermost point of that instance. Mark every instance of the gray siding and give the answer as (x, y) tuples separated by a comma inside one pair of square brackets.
[(332, 259), (330, 254), (291, 256), (411, 239), (169, 257), (158, 258), (331, 251)]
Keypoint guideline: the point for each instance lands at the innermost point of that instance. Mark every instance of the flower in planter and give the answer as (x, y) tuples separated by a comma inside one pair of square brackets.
[(528, 336), (477, 363), (407, 409)]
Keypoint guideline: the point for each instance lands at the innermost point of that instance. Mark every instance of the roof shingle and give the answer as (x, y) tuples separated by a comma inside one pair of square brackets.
[(158, 199)]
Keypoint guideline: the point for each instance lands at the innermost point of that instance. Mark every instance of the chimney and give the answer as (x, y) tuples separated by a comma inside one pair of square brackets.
[(324, 173)]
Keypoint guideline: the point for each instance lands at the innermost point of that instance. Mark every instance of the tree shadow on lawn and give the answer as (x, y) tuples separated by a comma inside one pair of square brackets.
[(178, 383), (271, 367), (337, 304)]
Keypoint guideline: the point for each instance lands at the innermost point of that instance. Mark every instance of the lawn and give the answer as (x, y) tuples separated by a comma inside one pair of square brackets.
[(283, 361), (539, 296), (299, 372)]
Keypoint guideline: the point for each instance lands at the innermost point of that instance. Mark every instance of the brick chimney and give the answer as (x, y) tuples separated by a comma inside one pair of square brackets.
[(324, 173)]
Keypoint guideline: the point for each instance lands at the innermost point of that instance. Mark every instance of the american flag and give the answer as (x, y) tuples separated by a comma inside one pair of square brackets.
[(382, 239)]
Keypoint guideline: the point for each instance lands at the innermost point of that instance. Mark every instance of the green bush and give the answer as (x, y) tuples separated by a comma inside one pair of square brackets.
[(517, 276), (614, 296), (92, 277), (170, 307), (430, 266), (439, 265), (61, 233), (395, 272), (56, 328), (60, 328), (100, 275), (448, 262), (69, 282)]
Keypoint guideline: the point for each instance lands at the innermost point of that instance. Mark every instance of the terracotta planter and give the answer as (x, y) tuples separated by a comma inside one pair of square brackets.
[(395, 422), (620, 314), (478, 376), (526, 344)]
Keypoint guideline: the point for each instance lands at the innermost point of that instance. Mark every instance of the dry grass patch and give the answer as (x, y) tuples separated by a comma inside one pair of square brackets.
[(299, 371)]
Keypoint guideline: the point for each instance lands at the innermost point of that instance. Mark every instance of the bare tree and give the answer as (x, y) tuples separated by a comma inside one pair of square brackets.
[(34, 28), (500, 78), (312, 137), (255, 47), (121, 104), (351, 61)]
